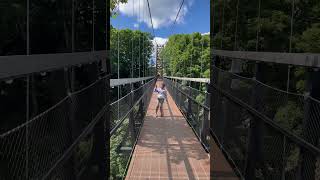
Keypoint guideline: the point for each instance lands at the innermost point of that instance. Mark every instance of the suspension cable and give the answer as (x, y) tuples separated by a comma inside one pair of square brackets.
[(236, 31), (191, 56), (175, 20), (143, 50), (201, 58), (139, 39), (290, 42), (258, 30), (132, 59), (118, 73), (222, 27), (151, 21)]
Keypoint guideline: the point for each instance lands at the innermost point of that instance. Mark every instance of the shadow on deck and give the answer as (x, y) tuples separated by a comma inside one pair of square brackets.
[(167, 147)]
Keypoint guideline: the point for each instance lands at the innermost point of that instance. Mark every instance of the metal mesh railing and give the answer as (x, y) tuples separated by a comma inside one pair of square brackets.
[(285, 109), (194, 105), (267, 133), (126, 122), (45, 146)]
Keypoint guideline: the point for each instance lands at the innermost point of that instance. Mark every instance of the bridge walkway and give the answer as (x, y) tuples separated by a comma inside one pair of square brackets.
[(167, 147)]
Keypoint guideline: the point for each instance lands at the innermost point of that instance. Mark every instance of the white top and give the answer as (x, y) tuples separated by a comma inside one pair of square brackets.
[(162, 94)]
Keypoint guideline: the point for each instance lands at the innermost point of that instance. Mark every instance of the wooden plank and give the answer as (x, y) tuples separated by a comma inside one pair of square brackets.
[(167, 147)]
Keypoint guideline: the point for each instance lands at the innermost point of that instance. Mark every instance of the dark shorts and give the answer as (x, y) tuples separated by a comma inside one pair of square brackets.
[(161, 100)]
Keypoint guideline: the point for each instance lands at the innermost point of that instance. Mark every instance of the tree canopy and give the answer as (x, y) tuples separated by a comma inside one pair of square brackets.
[(134, 46), (187, 55)]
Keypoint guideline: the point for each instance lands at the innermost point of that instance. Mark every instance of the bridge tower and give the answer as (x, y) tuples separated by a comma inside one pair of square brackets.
[(159, 62)]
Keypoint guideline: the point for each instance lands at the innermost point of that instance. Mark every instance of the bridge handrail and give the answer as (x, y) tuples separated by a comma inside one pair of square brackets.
[(123, 81), (192, 98), (19, 65), (266, 85), (293, 137), (201, 80), (298, 59), (54, 106)]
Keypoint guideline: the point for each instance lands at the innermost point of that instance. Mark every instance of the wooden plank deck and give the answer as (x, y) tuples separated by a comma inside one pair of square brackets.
[(167, 147)]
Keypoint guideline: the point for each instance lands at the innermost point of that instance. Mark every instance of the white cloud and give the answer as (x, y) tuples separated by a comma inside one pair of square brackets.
[(163, 11), (160, 40), (155, 41), (136, 25), (207, 33)]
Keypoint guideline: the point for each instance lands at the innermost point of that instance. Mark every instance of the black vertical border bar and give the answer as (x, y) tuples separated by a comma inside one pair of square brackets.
[(210, 89), (108, 92)]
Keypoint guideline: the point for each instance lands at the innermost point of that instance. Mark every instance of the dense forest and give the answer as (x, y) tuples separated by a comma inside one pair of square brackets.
[(273, 26), (290, 26), (187, 55), (134, 49)]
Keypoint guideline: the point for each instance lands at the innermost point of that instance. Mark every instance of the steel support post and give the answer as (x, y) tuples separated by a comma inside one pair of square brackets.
[(72, 123), (205, 123), (215, 99), (308, 161), (189, 112), (131, 116), (255, 130)]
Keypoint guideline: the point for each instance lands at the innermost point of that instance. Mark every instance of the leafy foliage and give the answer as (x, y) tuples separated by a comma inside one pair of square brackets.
[(134, 46), (187, 55), (113, 6)]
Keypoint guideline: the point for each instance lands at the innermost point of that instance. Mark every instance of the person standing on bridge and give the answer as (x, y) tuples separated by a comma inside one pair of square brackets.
[(162, 95)]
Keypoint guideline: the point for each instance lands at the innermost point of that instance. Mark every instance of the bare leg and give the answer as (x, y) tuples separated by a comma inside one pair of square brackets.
[(161, 109), (157, 108)]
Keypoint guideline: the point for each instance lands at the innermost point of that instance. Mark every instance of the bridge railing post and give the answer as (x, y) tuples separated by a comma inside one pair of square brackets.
[(140, 111), (189, 112), (255, 137), (215, 99), (131, 116), (308, 166), (205, 124), (72, 118), (179, 95), (100, 132)]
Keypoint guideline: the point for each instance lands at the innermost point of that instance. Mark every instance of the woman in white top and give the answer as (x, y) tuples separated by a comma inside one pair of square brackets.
[(162, 95)]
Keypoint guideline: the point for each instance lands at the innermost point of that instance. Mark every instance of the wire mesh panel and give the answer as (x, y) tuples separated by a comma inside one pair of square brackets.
[(186, 99), (285, 109), (32, 148), (121, 143), (266, 132), (119, 109), (126, 127), (56, 143)]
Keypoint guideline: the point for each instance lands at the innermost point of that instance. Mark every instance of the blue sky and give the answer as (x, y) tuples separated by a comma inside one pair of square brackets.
[(194, 16)]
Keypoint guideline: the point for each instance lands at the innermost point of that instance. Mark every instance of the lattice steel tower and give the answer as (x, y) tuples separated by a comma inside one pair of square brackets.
[(159, 62)]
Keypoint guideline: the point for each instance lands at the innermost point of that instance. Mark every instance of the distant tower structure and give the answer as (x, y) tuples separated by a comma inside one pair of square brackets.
[(159, 62)]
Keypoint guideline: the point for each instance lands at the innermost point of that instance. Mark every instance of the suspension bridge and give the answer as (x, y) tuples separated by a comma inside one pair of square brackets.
[(243, 128)]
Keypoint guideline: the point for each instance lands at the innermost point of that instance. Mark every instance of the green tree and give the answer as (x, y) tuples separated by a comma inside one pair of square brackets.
[(113, 6), (134, 47), (187, 55)]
